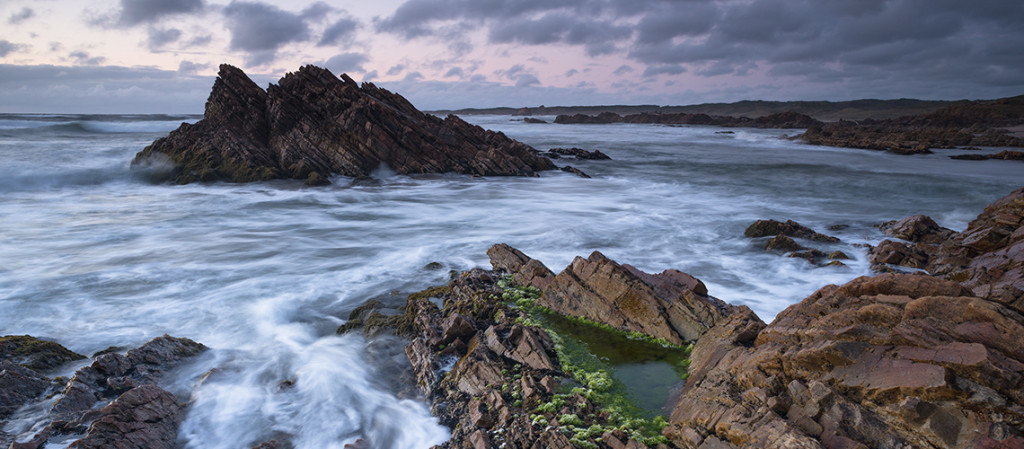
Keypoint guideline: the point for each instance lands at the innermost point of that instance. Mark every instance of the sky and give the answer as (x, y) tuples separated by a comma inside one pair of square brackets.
[(161, 56)]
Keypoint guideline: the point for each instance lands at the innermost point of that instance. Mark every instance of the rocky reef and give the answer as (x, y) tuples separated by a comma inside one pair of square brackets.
[(782, 120), (313, 124), (113, 402), (925, 360), (978, 123)]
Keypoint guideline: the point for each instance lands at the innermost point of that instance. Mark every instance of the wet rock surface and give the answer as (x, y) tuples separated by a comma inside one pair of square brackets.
[(115, 401), (313, 124)]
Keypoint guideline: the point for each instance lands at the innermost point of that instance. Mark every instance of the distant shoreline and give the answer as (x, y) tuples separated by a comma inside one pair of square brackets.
[(820, 110)]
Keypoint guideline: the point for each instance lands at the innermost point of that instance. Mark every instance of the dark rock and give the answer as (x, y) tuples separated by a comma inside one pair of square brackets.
[(578, 153), (782, 243), (1005, 155), (18, 386), (535, 121), (313, 124), (35, 354), (145, 417), (917, 228), (981, 123), (768, 228), (574, 170)]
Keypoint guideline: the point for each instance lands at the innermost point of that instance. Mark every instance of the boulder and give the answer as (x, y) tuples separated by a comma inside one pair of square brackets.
[(789, 228), (313, 124)]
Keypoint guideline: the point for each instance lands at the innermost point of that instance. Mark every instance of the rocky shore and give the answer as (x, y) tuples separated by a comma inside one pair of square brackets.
[(929, 353), (313, 124), (925, 360), (114, 402)]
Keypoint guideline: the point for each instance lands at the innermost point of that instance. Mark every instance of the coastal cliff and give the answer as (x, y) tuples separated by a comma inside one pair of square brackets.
[(313, 124)]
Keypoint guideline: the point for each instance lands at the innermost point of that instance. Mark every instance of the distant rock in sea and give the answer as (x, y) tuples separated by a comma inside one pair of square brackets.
[(976, 123), (313, 124)]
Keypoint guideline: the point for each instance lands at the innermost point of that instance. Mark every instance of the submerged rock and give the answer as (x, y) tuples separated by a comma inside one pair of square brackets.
[(789, 228), (313, 124)]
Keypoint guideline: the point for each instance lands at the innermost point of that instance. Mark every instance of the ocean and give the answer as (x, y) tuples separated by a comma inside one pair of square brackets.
[(94, 256)]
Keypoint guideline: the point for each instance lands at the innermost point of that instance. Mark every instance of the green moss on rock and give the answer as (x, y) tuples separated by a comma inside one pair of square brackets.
[(35, 354)]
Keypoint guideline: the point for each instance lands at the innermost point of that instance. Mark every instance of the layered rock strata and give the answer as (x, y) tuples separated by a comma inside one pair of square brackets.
[(313, 124)]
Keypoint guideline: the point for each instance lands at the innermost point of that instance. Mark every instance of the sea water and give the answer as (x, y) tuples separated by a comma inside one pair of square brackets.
[(93, 256)]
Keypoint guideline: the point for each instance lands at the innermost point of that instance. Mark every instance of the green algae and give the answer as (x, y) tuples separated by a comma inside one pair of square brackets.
[(628, 375)]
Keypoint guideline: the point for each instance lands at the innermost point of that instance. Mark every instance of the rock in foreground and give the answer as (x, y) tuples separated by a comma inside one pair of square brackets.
[(313, 124)]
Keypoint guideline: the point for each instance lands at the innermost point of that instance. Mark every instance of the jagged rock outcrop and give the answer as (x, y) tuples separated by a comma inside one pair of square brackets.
[(671, 305), (978, 123), (988, 256), (313, 124), (139, 414)]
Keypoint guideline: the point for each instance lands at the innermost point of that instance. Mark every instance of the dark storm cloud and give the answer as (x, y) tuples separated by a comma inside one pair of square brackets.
[(346, 62), (21, 16), (859, 42), (8, 47), (83, 58), (159, 37), (262, 27), (342, 30), (135, 12)]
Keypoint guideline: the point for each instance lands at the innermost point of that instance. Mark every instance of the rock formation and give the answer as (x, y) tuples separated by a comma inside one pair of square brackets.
[(313, 124), (137, 413), (978, 123), (895, 360)]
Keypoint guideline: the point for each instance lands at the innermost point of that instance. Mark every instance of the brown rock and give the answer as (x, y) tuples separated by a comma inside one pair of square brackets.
[(18, 386), (783, 243), (837, 370), (790, 228), (917, 228), (671, 305), (145, 417), (313, 124)]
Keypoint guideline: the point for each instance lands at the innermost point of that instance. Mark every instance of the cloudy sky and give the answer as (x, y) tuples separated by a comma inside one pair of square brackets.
[(143, 56)]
